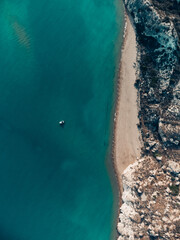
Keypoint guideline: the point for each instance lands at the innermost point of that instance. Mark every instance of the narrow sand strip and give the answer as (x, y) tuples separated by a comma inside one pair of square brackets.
[(127, 136)]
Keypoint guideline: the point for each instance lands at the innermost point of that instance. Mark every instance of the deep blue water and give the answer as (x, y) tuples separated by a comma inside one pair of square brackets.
[(58, 60)]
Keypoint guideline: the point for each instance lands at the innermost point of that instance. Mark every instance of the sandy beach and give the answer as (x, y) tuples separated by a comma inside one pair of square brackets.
[(126, 135)]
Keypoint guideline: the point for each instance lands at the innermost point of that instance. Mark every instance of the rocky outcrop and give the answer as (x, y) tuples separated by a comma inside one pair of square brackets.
[(169, 124), (151, 199), (158, 82), (158, 35), (151, 204), (169, 131)]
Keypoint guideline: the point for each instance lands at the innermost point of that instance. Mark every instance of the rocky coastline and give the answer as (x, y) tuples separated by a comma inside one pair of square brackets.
[(151, 199)]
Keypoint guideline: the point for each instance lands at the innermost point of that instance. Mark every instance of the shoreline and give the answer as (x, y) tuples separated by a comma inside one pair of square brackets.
[(126, 136), (149, 175)]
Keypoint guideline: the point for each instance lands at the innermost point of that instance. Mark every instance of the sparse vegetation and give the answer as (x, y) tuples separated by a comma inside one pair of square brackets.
[(136, 84), (154, 81), (174, 189)]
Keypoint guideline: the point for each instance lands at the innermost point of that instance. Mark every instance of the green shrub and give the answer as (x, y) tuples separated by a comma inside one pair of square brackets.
[(174, 189), (154, 81)]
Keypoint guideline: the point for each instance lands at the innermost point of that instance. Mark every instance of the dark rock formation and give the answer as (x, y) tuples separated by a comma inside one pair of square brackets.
[(157, 26)]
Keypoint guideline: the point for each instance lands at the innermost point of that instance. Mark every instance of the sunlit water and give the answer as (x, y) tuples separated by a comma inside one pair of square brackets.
[(57, 61)]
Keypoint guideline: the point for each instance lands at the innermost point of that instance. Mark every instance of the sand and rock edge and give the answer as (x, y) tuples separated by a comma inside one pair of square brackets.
[(150, 199)]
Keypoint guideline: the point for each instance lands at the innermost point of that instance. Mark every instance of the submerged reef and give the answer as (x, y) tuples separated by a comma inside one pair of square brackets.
[(151, 200)]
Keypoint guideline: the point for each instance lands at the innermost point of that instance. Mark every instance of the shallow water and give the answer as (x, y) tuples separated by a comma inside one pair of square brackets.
[(57, 61)]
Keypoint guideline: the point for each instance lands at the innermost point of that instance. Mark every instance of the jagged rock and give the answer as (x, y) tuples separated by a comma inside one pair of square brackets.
[(159, 158), (165, 220), (120, 228), (154, 208), (120, 238), (174, 167), (136, 217), (151, 143), (143, 197), (173, 111), (169, 131)]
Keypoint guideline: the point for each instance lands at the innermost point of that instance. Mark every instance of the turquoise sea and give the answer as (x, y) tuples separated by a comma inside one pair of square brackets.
[(58, 60)]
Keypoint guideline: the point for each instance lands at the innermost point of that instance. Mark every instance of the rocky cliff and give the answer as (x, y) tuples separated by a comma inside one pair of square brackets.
[(151, 201)]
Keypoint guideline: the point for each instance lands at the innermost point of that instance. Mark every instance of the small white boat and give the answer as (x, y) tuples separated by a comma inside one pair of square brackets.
[(62, 122)]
